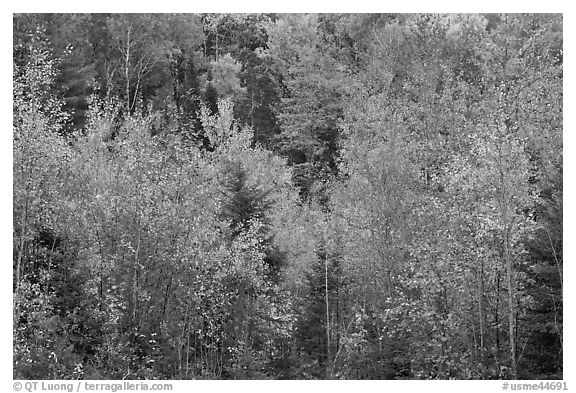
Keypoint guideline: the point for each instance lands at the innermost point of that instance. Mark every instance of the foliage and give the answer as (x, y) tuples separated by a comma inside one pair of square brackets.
[(219, 196)]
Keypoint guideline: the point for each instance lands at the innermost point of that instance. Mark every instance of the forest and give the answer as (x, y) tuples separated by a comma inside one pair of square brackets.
[(287, 196)]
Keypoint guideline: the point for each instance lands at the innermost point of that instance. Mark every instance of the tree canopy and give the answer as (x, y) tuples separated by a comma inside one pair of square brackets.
[(288, 196)]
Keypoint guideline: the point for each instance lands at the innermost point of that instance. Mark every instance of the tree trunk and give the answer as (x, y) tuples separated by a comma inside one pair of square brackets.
[(127, 68), (328, 368), (22, 240), (481, 315), (511, 304), (135, 282)]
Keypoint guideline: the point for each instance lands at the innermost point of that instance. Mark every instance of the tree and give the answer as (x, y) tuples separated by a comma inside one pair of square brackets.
[(40, 153), (312, 105), (315, 329), (287, 196)]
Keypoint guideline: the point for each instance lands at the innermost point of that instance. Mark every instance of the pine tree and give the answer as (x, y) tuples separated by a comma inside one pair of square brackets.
[(243, 204), (319, 313)]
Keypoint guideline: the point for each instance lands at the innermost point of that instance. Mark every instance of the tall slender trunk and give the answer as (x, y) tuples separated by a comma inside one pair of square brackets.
[(328, 368), (133, 105), (507, 223), (481, 316), (135, 282), (511, 304), (497, 313), (166, 296), (26, 173), (127, 68), (187, 344), (21, 243)]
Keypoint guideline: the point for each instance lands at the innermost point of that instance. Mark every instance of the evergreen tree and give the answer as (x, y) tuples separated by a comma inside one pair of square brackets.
[(248, 207), (316, 328)]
